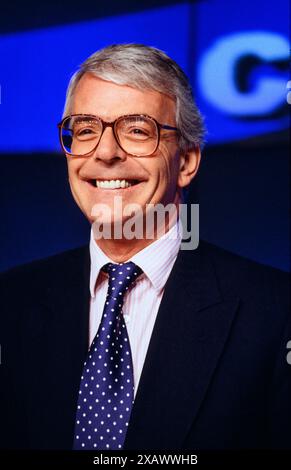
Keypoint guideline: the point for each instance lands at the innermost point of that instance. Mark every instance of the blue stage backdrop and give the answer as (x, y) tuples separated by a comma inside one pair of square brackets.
[(236, 55)]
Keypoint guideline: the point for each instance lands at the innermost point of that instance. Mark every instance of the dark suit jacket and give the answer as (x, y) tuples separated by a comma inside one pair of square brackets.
[(215, 375)]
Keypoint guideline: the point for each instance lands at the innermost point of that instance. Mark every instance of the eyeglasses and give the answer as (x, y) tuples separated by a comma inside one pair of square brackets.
[(136, 134)]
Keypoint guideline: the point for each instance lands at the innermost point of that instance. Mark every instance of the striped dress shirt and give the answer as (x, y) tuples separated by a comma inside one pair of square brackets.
[(142, 302)]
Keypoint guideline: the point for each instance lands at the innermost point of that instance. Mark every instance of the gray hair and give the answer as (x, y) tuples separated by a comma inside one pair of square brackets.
[(146, 68)]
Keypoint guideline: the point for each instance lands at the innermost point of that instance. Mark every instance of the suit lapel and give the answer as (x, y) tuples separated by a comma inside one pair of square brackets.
[(57, 350), (191, 328)]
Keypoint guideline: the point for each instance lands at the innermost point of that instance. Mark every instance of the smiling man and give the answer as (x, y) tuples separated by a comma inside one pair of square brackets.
[(132, 342), (132, 147)]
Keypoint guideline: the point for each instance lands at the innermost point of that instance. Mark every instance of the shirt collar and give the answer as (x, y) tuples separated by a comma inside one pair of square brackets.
[(156, 260)]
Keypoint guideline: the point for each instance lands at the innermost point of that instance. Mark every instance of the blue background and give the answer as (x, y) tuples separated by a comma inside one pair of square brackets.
[(243, 185)]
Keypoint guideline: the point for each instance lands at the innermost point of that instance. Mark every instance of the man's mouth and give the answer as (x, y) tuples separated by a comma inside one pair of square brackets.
[(114, 184)]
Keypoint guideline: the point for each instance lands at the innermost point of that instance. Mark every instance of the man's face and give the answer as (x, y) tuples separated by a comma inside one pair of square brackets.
[(156, 177)]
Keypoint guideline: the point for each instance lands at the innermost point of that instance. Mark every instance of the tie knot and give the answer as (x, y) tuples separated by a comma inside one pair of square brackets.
[(121, 276)]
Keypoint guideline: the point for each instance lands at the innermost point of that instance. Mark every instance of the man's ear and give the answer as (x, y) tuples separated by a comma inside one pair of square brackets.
[(189, 164)]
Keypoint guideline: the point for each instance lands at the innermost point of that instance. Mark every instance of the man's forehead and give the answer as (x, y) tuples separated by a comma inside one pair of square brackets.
[(109, 100)]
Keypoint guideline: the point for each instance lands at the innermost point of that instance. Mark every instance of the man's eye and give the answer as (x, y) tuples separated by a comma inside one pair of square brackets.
[(136, 132), (139, 131), (85, 132)]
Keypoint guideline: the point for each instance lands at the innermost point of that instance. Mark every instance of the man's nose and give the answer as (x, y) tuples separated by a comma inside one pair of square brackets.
[(108, 149)]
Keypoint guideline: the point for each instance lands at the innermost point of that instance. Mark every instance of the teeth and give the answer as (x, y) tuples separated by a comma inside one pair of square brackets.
[(113, 184)]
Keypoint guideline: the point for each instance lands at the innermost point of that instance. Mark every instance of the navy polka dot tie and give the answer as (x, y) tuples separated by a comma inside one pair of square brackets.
[(107, 389)]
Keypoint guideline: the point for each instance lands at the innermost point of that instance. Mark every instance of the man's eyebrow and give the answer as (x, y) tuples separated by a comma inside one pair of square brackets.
[(77, 119)]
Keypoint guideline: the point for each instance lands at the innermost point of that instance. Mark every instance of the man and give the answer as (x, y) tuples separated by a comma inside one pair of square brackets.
[(133, 343)]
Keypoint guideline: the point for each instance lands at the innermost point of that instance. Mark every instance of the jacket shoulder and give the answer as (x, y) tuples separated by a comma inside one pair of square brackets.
[(43, 272), (247, 278)]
